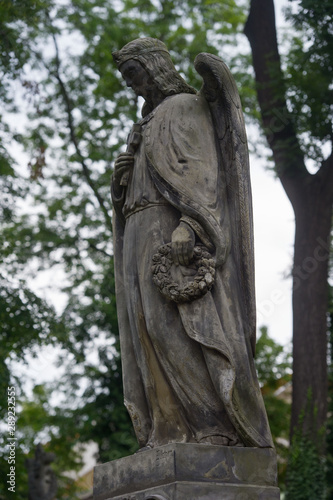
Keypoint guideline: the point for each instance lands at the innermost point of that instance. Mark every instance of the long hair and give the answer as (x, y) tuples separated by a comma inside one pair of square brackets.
[(155, 58)]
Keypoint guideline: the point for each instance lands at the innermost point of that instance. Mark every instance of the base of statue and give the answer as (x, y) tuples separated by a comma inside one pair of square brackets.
[(190, 471)]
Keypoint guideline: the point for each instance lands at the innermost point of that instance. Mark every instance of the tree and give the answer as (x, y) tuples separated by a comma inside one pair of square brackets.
[(27, 322), (296, 114), (39, 421), (329, 464)]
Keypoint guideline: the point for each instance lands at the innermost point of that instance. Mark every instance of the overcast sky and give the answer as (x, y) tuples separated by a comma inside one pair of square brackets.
[(273, 238)]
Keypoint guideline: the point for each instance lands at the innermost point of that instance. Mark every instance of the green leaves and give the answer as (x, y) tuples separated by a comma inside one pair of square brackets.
[(39, 422), (305, 477), (273, 363), (309, 73)]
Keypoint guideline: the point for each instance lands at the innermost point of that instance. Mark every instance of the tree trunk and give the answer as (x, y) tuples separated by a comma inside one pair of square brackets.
[(313, 213), (311, 197)]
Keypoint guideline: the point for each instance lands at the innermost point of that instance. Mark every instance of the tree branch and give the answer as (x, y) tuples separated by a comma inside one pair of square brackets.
[(94, 247), (277, 120), (70, 122), (325, 173)]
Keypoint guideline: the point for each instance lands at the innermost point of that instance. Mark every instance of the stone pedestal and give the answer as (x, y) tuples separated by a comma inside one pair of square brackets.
[(189, 472)]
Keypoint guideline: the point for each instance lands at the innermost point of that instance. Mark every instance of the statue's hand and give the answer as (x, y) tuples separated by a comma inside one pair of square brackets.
[(122, 168), (182, 244)]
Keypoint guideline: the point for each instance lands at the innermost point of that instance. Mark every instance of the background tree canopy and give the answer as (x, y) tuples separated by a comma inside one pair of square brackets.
[(67, 112)]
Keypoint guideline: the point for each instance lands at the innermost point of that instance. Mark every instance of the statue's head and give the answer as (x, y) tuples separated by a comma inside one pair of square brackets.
[(153, 55)]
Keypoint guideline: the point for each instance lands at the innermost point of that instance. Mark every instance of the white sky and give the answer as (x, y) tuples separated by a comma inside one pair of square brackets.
[(273, 238)]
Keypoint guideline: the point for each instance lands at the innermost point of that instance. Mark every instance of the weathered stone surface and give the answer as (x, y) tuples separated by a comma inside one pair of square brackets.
[(184, 257), (189, 471)]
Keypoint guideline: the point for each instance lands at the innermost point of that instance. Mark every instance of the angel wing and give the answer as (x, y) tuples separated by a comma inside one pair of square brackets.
[(220, 90)]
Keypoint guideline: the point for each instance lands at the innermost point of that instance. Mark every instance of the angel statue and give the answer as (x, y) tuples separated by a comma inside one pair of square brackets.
[(183, 248)]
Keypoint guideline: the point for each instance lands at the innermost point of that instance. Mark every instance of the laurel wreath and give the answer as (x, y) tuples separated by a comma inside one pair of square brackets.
[(199, 286)]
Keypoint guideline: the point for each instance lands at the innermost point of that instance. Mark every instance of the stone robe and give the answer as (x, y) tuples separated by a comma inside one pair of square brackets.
[(188, 369)]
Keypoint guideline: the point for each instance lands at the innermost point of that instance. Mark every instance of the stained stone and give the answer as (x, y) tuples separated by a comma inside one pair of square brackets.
[(190, 471), (186, 325)]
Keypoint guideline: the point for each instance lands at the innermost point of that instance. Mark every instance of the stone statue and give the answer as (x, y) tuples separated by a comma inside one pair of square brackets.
[(41, 478), (183, 247)]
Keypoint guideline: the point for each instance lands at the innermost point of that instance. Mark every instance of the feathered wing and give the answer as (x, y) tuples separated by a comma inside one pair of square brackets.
[(220, 90)]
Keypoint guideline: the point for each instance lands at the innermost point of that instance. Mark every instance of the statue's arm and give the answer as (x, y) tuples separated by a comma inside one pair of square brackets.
[(182, 244), (185, 236), (122, 169), (198, 230)]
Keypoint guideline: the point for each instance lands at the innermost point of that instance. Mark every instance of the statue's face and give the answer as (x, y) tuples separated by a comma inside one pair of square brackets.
[(137, 78)]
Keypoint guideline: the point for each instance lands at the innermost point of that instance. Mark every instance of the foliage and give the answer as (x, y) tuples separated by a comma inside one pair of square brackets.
[(273, 363), (99, 414), (305, 477), (38, 422), (309, 73), (26, 323)]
